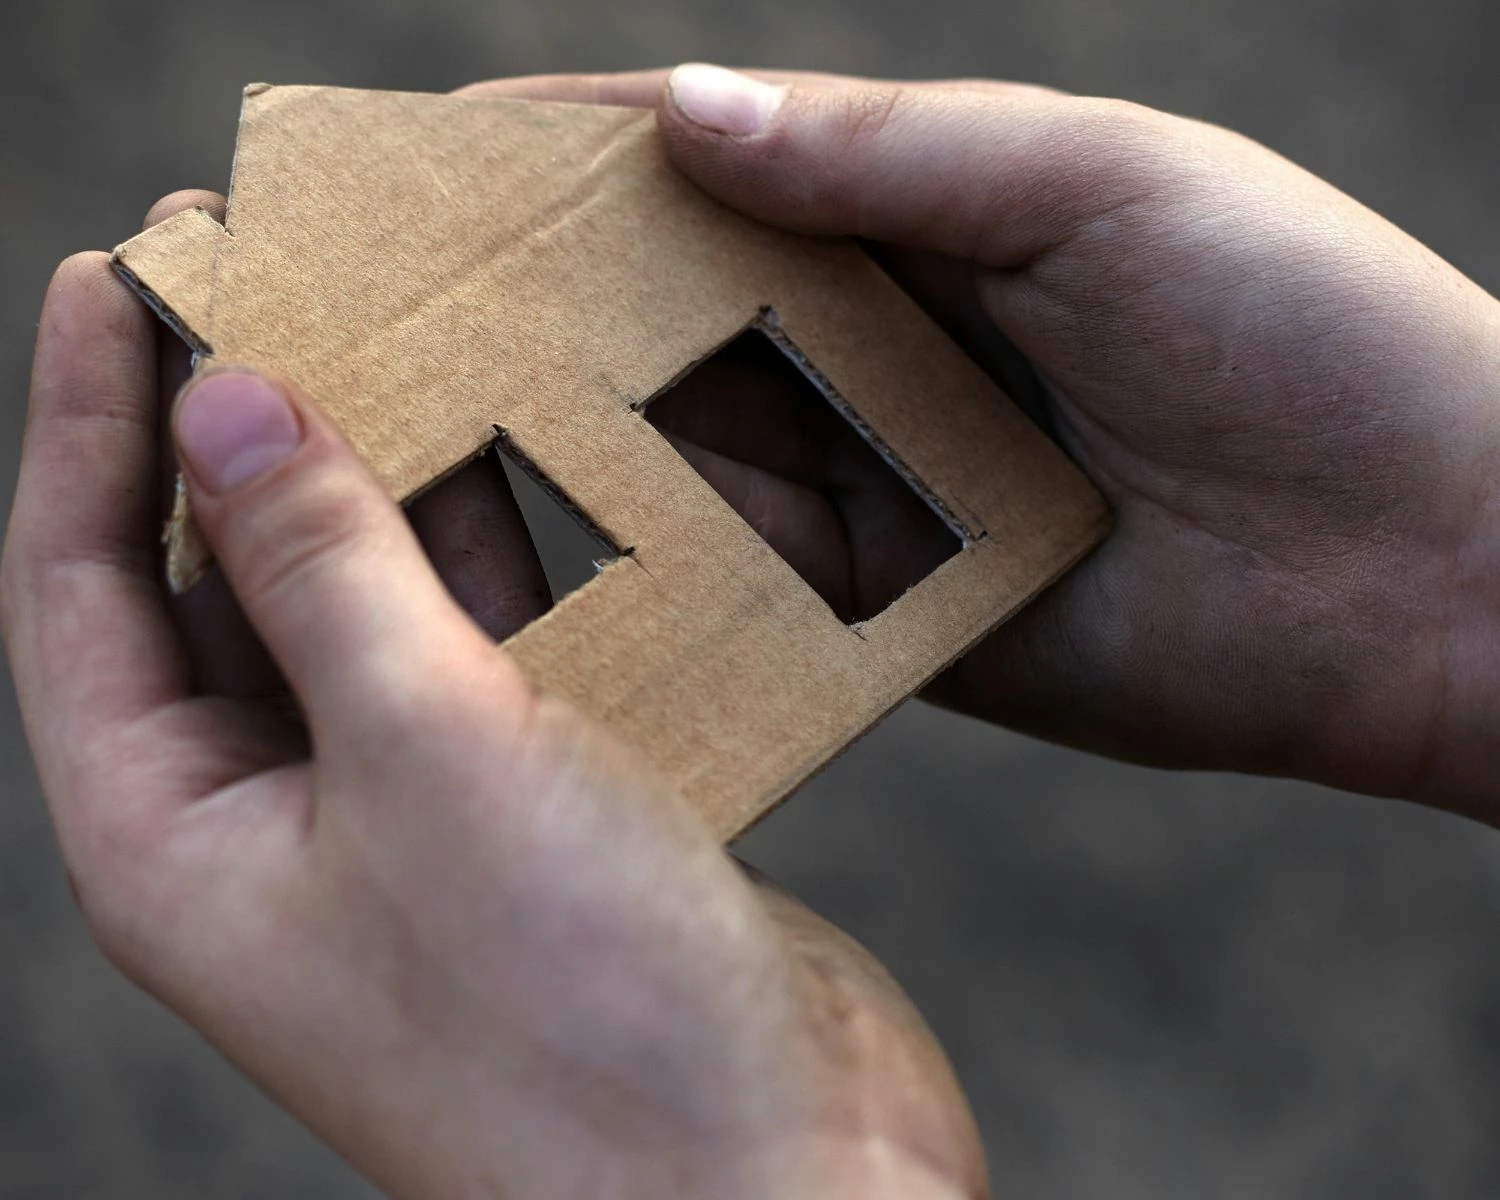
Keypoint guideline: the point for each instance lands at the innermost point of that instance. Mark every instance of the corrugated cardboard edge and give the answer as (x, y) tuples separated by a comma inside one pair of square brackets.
[(181, 255)]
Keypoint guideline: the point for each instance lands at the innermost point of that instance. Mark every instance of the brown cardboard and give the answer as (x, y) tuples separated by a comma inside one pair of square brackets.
[(434, 269)]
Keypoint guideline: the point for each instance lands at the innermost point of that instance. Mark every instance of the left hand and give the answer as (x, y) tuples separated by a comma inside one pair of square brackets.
[(479, 947), (468, 525)]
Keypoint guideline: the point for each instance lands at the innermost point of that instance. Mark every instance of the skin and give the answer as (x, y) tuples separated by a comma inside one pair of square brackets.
[(480, 948), (1288, 401), (472, 942)]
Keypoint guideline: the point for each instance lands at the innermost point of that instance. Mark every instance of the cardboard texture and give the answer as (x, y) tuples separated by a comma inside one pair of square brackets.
[(437, 270)]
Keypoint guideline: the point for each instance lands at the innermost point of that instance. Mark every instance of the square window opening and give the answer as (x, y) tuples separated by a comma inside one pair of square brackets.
[(783, 449)]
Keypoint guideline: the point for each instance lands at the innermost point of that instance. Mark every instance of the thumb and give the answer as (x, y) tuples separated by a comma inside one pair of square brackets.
[(994, 173), (324, 564)]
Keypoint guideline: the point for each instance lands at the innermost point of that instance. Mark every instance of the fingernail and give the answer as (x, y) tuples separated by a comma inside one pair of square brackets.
[(724, 101), (233, 426)]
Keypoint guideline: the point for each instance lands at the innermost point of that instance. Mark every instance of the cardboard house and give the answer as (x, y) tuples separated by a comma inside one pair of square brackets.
[(440, 271)]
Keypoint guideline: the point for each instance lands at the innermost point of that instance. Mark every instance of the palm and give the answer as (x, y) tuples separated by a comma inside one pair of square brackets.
[(1260, 482)]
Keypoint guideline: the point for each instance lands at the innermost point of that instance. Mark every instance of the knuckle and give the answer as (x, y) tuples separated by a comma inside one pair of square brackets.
[(134, 936), (1132, 141), (863, 114), (827, 157), (1116, 115), (104, 913), (1124, 163)]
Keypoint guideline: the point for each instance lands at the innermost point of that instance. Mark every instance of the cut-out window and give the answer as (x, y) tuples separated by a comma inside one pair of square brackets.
[(571, 550), (506, 573), (795, 467)]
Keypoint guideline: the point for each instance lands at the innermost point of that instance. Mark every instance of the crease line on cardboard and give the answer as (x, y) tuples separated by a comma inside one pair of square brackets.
[(485, 259)]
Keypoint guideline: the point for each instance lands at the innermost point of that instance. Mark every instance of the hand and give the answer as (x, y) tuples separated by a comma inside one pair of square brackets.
[(468, 525), (476, 945), (1290, 403)]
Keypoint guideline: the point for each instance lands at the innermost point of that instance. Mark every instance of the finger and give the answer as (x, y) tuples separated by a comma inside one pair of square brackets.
[(628, 89), (994, 175), (946, 289), (471, 530), (323, 562), (944, 286), (169, 206), (474, 533), (798, 522), (227, 658), (643, 89), (90, 642)]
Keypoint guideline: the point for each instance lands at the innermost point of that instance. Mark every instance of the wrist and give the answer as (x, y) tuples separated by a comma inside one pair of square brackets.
[(875, 1169), (1457, 766)]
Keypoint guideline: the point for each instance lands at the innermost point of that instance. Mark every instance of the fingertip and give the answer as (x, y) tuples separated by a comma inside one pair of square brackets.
[(90, 322), (169, 206), (82, 261), (87, 268), (233, 425), (719, 101)]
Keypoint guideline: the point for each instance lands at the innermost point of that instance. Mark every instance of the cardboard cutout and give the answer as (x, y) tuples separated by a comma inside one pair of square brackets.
[(440, 271)]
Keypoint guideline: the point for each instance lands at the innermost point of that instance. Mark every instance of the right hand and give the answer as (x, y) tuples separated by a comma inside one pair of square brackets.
[(1290, 403)]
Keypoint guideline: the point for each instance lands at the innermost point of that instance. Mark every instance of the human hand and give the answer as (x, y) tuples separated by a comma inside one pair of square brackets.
[(1290, 404), (471, 941), (468, 525)]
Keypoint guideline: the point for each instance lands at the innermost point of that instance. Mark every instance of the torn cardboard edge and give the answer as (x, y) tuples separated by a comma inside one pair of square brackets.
[(438, 271)]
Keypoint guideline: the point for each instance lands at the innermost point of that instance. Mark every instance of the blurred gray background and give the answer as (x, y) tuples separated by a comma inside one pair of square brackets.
[(1154, 986)]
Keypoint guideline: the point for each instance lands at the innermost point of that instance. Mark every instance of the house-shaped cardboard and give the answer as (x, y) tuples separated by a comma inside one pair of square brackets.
[(440, 270)]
